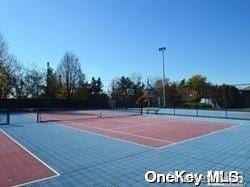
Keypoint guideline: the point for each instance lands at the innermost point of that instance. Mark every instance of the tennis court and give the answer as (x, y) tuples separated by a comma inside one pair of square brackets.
[(129, 126), (18, 165), (117, 150)]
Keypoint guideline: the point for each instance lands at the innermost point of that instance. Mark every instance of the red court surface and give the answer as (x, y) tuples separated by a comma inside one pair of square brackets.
[(17, 166), (149, 131)]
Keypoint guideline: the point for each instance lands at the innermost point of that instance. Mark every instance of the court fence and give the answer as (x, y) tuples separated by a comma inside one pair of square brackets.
[(242, 114)]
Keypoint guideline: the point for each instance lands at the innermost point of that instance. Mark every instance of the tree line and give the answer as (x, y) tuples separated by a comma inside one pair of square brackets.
[(68, 82), (184, 94)]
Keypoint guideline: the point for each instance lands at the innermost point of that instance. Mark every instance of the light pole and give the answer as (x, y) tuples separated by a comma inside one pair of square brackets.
[(162, 49)]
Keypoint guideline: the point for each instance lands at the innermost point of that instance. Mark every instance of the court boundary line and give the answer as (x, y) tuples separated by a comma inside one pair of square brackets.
[(57, 174), (200, 137)]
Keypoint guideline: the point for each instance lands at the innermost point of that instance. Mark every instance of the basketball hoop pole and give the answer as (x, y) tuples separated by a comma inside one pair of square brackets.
[(162, 49)]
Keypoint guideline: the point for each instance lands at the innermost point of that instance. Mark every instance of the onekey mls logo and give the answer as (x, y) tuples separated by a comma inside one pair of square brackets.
[(212, 178)]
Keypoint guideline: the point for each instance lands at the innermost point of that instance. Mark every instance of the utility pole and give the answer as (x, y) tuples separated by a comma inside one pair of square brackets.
[(162, 49)]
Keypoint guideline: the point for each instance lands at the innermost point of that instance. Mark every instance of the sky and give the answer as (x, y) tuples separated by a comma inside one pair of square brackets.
[(121, 37)]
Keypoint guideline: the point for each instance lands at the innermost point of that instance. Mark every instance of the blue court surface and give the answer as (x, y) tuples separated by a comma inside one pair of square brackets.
[(87, 159)]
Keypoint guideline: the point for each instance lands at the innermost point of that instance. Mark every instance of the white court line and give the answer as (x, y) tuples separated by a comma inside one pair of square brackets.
[(46, 165), (201, 136)]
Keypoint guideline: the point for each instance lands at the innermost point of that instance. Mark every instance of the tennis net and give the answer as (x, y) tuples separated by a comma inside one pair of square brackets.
[(4, 117), (53, 115)]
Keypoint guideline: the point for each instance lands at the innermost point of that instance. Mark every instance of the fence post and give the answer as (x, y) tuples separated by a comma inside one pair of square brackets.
[(37, 115), (8, 117)]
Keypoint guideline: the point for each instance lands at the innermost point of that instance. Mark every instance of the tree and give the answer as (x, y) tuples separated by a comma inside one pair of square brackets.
[(3, 50), (119, 91), (82, 92), (228, 96), (96, 95), (52, 89), (18, 83), (34, 84), (182, 83), (158, 86), (96, 86), (70, 74), (8, 70), (4, 81), (173, 96), (3, 70), (197, 83)]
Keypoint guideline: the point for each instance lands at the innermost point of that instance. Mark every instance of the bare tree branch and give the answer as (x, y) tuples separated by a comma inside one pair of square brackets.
[(70, 73)]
